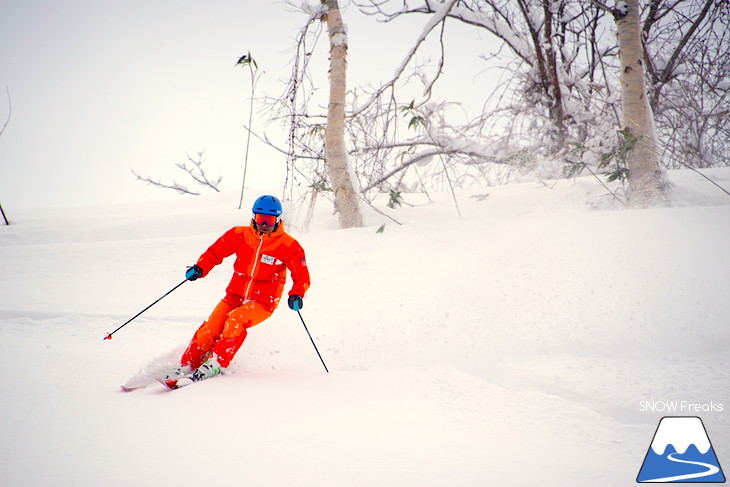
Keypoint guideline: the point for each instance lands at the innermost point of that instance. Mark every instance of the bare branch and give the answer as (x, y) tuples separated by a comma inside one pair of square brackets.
[(268, 142), (442, 58), (200, 176), (667, 72), (10, 110), (174, 186), (437, 18), (5, 218), (196, 173)]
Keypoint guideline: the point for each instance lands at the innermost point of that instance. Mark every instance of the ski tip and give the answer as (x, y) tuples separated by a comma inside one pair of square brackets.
[(129, 389), (170, 384)]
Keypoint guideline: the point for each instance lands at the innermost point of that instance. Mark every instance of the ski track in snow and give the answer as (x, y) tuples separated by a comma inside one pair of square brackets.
[(711, 470), (510, 348)]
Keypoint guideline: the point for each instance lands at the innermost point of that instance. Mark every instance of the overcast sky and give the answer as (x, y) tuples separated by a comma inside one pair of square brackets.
[(101, 88)]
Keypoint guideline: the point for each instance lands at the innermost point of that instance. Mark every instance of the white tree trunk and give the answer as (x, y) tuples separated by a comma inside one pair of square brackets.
[(646, 180), (346, 203)]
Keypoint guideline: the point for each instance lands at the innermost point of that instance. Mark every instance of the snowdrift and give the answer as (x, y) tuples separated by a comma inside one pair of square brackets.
[(515, 346)]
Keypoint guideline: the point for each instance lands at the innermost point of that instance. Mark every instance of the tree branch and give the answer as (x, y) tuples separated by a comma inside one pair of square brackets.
[(667, 72), (423, 156), (174, 186), (10, 110), (437, 18), (199, 178)]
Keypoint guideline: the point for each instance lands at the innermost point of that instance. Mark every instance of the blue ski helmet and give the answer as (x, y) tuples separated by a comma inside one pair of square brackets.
[(267, 205)]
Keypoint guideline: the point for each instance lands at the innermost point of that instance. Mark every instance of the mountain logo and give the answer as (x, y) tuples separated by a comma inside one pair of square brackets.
[(681, 452)]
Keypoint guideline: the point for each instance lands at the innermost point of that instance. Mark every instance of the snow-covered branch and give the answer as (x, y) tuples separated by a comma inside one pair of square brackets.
[(437, 18), (195, 172)]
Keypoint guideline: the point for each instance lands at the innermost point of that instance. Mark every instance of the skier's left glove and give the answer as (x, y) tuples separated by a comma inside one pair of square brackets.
[(193, 273), (295, 302)]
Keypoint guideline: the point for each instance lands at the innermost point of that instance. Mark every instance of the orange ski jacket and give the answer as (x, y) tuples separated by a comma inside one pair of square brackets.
[(261, 264)]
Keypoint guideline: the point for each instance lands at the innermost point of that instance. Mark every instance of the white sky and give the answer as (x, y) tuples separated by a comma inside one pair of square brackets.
[(101, 88)]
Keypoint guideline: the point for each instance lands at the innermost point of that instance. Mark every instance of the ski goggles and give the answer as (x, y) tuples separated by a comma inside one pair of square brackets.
[(268, 220)]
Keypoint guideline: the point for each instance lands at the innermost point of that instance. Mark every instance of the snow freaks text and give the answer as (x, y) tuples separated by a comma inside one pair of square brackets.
[(680, 407)]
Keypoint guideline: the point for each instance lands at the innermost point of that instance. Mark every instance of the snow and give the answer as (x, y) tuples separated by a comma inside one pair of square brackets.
[(339, 39), (515, 346), (314, 10), (689, 430)]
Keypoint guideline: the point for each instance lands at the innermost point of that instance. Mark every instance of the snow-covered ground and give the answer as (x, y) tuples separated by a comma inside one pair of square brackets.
[(524, 344)]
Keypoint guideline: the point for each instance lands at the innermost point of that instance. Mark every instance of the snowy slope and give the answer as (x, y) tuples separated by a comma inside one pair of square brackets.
[(515, 346)]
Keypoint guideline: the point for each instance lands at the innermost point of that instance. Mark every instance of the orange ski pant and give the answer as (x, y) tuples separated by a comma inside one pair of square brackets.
[(224, 332)]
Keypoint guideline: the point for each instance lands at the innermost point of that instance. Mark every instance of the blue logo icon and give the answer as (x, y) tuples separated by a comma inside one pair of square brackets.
[(681, 452)]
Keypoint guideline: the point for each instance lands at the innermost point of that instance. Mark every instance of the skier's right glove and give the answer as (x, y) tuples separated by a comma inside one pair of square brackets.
[(193, 273)]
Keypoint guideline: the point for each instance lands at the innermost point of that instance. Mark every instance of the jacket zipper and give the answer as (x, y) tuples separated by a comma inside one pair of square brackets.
[(253, 268)]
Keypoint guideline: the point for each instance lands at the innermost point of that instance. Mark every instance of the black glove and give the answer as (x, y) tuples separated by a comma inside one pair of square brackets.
[(295, 302), (193, 273)]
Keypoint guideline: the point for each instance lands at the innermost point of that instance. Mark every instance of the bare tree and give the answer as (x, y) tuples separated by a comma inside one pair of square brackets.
[(316, 151), (557, 51), (10, 111), (7, 120), (346, 203), (564, 70), (646, 182), (385, 154), (686, 46), (443, 155), (5, 218), (247, 60), (305, 147), (554, 95)]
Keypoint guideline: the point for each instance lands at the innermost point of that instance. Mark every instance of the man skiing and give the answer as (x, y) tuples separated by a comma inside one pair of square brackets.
[(264, 252)]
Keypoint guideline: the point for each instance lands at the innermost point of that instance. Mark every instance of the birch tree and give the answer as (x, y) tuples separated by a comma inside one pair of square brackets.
[(646, 181), (346, 203), (564, 74)]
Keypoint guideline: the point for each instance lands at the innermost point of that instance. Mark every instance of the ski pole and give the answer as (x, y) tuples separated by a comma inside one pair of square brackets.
[(109, 335), (310, 339)]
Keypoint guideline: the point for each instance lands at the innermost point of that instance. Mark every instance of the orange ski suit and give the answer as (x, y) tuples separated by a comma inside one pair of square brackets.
[(254, 292)]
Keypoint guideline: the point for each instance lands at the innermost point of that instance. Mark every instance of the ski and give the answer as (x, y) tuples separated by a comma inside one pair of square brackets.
[(146, 379), (137, 384), (183, 381), (173, 384)]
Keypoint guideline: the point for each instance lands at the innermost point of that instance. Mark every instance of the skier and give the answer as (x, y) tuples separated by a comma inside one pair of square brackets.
[(264, 252)]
